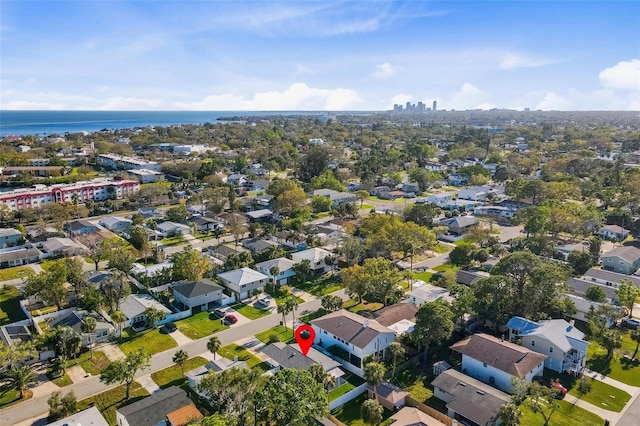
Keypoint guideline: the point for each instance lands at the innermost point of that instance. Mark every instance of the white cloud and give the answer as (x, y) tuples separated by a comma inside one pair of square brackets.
[(400, 99), (124, 104), (625, 75), (513, 61), (469, 96), (385, 70), (25, 105), (553, 101), (298, 96)]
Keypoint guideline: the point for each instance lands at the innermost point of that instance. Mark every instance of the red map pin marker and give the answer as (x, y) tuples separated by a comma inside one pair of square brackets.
[(305, 337)]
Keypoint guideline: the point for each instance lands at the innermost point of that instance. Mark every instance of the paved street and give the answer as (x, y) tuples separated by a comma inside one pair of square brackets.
[(29, 411)]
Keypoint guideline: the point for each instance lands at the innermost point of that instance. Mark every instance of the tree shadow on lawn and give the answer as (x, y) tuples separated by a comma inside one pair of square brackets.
[(629, 363), (600, 363)]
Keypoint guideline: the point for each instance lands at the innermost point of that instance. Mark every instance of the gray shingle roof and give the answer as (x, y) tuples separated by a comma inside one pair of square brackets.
[(196, 288), (351, 327), (394, 313), (153, 409), (289, 356), (628, 253)]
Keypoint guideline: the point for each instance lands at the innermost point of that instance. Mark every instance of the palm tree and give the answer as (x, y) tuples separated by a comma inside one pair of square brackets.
[(635, 336), (283, 308), (274, 271), (213, 345), (88, 326), (292, 305), (118, 317), (393, 352), (373, 374), (20, 379), (181, 358)]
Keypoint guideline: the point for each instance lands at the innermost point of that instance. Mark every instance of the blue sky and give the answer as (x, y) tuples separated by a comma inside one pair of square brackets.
[(311, 55)]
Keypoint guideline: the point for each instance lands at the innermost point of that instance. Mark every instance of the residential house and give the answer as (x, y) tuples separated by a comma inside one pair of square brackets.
[(17, 256), (204, 224), (89, 417), (261, 215), (563, 251), (391, 195), (389, 396), (317, 257), (170, 229), (440, 199), (147, 211), (459, 225), (167, 407), (469, 400), (410, 416), (146, 175), (289, 239), (614, 232), (243, 281), (584, 306), (59, 247), (560, 340), (435, 167), (623, 260), (81, 227), (411, 187), (198, 295), (479, 193), (11, 335), (336, 197), (283, 356), (256, 185), (223, 251), (458, 180), (217, 365), (259, 245), (495, 211), (352, 336), (428, 293), (496, 362), (352, 187), (263, 200), (399, 317), (74, 320), (285, 270), (115, 223), (134, 306), (237, 179), (9, 237), (469, 278), (379, 190)]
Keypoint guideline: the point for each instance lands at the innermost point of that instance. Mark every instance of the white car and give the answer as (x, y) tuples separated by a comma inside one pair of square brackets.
[(263, 302)]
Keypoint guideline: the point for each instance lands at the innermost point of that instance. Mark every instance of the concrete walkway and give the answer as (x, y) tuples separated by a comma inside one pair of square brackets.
[(45, 389), (112, 352), (180, 338), (605, 414), (631, 390), (147, 382), (77, 373)]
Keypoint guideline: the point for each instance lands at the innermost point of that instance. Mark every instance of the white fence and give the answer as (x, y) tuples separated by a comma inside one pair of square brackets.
[(343, 399), (175, 317)]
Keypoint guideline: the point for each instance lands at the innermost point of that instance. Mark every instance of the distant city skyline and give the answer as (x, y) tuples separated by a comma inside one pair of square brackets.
[(312, 55)]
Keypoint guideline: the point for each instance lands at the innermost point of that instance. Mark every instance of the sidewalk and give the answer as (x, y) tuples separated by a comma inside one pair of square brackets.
[(631, 390), (612, 416)]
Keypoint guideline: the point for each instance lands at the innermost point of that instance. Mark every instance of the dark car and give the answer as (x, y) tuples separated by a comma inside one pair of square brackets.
[(217, 313), (170, 327), (631, 322), (231, 319)]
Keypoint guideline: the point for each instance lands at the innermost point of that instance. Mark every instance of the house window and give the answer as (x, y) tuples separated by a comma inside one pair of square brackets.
[(484, 364), (533, 343), (550, 349)]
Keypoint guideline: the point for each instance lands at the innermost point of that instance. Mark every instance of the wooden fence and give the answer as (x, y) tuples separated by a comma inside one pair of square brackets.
[(410, 402)]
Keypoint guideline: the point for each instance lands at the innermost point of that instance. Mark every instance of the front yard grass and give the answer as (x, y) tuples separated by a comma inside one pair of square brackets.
[(313, 315), (566, 415), (15, 273), (61, 381), (249, 311), (199, 325), (109, 401), (93, 366), (320, 286), (618, 368), (231, 350), (10, 310), (173, 241), (150, 340), (424, 276), (12, 396), (283, 334), (446, 267), (355, 307), (349, 413), (172, 376), (601, 395), (279, 295)]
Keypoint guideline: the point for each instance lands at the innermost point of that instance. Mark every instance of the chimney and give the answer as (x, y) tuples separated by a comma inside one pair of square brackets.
[(365, 324)]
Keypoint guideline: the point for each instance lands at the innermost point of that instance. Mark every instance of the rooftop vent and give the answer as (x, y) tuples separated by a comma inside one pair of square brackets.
[(365, 324)]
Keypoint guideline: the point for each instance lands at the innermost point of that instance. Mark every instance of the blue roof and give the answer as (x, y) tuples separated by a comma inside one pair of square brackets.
[(522, 325)]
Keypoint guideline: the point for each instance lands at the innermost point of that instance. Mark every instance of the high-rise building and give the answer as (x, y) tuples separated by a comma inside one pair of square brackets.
[(435, 106)]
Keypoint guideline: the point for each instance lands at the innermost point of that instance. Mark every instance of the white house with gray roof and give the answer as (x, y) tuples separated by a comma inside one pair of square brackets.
[(316, 257), (134, 306), (427, 293), (285, 269), (9, 237), (198, 295), (623, 260), (353, 336), (559, 340), (243, 281)]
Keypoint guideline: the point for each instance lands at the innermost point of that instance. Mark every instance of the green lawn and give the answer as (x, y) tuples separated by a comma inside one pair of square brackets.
[(284, 334), (199, 325), (340, 390), (10, 310), (249, 311), (601, 395), (424, 276), (320, 286), (442, 248), (420, 389), (397, 200), (93, 366), (172, 376), (279, 295), (231, 350), (349, 413), (15, 273), (355, 307), (313, 315), (566, 415), (10, 397), (61, 381), (173, 241), (365, 206), (446, 267), (151, 340), (109, 401), (618, 367)]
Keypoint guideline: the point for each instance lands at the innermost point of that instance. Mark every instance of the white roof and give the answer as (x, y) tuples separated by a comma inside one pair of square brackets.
[(55, 243), (430, 293), (242, 276), (403, 326), (89, 417), (315, 254), (282, 263), (7, 232)]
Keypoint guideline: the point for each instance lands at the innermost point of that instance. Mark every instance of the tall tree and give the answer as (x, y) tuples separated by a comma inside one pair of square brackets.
[(463, 303), (595, 293), (118, 317), (124, 370), (237, 226), (180, 358), (284, 309), (49, 286), (20, 379), (213, 345), (510, 415), (61, 406), (114, 288), (154, 315), (542, 401), (635, 336), (611, 340), (394, 352), (88, 326), (627, 293), (274, 405), (371, 412), (374, 373), (189, 265), (434, 324), (302, 269)]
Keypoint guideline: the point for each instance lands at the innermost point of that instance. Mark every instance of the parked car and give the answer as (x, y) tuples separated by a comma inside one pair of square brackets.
[(263, 302), (217, 313), (560, 391), (631, 322), (170, 327), (231, 319)]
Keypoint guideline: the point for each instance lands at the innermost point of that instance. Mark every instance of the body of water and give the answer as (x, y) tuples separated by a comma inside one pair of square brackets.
[(45, 123)]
